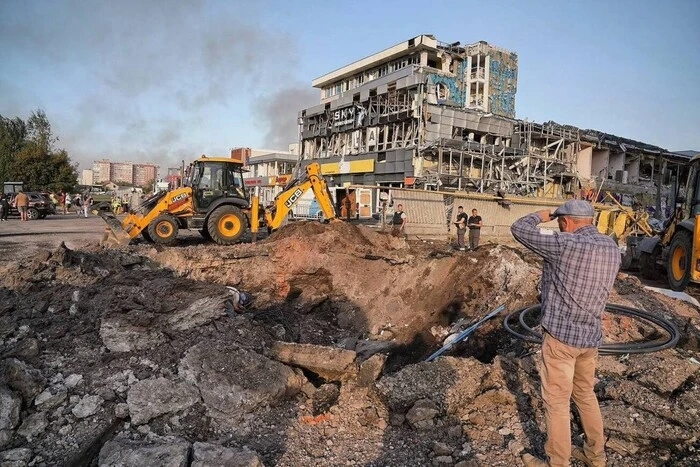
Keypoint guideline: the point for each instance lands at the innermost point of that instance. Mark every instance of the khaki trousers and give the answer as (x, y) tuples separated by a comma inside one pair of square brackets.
[(568, 372)]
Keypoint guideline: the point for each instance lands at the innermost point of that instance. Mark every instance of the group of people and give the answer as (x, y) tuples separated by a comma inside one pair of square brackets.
[(462, 221), (473, 223), (80, 202), (126, 202)]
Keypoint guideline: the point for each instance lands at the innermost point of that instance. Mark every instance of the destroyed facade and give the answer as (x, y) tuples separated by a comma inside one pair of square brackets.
[(435, 115)]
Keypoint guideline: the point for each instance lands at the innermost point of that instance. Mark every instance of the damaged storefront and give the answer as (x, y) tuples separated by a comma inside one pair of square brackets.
[(441, 116)]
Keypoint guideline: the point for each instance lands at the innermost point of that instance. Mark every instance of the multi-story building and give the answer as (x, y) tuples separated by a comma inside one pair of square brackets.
[(140, 174), (376, 114), (429, 114), (121, 172), (268, 170), (100, 171), (86, 177), (144, 174)]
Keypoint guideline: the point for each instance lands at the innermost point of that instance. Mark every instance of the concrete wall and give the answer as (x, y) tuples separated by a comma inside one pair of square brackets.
[(632, 168), (427, 212), (497, 219), (599, 163), (616, 162), (584, 162)]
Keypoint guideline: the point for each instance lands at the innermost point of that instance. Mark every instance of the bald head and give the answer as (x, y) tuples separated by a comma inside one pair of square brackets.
[(572, 223)]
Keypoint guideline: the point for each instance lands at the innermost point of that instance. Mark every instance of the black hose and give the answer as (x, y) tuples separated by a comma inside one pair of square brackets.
[(530, 335)]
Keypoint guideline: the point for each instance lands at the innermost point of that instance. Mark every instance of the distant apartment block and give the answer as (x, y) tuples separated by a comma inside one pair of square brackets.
[(100, 171), (139, 174), (86, 177), (144, 174)]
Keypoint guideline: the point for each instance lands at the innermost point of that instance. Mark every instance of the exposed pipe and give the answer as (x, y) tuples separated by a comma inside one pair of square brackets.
[(530, 335)]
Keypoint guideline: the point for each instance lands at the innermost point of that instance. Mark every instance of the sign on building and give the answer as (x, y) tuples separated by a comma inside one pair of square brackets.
[(371, 138)]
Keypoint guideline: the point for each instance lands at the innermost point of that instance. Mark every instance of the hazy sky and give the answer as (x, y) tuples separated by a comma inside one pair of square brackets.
[(164, 80)]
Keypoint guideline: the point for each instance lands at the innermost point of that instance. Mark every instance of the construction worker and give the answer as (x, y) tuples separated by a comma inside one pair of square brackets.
[(580, 265)]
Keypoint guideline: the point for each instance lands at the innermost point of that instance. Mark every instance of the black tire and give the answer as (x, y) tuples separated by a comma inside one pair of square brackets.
[(680, 255), (226, 224), (647, 265), (32, 214), (146, 236), (163, 229), (205, 233)]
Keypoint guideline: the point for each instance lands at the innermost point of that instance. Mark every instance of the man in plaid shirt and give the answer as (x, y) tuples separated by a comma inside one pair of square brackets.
[(580, 266)]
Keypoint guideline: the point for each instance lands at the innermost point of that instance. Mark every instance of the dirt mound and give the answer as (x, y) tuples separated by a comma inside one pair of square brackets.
[(135, 348)]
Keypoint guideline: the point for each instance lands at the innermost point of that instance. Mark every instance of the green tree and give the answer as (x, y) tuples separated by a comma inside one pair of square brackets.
[(42, 170), (39, 131), (28, 154), (13, 133)]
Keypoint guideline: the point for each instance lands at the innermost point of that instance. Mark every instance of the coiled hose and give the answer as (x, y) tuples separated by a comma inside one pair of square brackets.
[(530, 335)]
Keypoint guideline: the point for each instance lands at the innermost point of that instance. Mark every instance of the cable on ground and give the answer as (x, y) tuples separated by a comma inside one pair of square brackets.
[(528, 334)]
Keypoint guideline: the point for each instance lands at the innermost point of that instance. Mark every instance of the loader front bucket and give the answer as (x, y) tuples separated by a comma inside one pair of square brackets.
[(118, 234)]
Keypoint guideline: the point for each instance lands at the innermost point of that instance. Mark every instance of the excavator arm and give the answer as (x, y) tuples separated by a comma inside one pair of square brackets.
[(286, 200)]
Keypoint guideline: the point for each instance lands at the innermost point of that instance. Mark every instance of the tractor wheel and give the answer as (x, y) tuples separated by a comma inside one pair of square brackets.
[(146, 236), (226, 225), (680, 255), (163, 229), (647, 265)]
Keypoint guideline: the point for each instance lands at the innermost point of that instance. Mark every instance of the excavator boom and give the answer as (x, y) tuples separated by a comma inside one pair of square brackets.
[(286, 200)]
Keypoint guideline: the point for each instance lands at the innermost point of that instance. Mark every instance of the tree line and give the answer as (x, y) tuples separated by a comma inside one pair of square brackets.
[(28, 154)]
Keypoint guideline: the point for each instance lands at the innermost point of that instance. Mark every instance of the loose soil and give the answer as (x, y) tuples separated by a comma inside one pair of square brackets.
[(116, 318)]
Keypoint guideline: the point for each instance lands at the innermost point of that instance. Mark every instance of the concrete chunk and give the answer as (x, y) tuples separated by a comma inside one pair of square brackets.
[(153, 397), (207, 454), (129, 453), (328, 362)]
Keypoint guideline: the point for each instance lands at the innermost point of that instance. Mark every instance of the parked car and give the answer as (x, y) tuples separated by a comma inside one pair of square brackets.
[(40, 206)]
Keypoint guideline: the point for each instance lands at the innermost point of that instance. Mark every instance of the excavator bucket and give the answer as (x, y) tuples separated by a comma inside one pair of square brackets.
[(116, 233)]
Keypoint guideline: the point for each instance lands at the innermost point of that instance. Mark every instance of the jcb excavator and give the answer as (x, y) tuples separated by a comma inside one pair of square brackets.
[(677, 247), (215, 202)]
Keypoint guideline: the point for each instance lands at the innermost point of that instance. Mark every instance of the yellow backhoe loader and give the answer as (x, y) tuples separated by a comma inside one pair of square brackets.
[(677, 248), (214, 201)]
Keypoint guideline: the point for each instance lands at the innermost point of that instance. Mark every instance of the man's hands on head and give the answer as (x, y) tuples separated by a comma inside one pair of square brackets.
[(545, 215)]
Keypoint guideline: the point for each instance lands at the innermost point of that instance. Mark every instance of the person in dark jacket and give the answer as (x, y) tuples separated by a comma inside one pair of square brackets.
[(398, 222), (4, 208)]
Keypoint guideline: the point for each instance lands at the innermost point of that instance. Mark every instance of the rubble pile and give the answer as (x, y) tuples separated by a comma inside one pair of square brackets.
[(135, 357)]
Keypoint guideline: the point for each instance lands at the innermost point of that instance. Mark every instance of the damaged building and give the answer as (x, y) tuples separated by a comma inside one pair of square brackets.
[(433, 115)]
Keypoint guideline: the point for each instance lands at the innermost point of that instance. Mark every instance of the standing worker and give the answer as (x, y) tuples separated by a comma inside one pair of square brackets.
[(4, 208), (398, 222), (461, 223), (474, 223), (22, 204), (580, 265)]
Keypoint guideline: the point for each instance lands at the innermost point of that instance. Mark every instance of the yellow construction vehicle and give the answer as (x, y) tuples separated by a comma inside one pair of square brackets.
[(677, 247), (214, 201)]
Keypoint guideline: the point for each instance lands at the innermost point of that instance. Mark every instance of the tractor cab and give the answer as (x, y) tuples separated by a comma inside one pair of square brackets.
[(214, 179)]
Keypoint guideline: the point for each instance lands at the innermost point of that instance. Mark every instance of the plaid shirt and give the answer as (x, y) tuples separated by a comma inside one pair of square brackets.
[(578, 273)]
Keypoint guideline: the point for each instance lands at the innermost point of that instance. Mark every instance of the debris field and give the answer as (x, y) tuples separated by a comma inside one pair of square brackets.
[(134, 356)]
